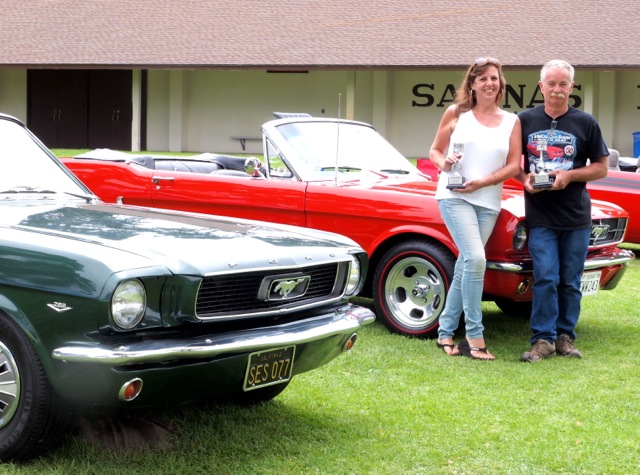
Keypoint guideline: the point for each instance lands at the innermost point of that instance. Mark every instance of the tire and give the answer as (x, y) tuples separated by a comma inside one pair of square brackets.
[(33, 418), (410, 286), (514, 309)]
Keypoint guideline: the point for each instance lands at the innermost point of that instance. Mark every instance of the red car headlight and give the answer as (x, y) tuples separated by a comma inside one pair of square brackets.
[(520, 236)]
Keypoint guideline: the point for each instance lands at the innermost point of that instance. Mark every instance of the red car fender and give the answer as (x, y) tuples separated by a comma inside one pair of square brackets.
[(413, 230)]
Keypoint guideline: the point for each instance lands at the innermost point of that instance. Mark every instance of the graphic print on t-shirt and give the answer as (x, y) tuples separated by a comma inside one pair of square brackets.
[(549, 150)]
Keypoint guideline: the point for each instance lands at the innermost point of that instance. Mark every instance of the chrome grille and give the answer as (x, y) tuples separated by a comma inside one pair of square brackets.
[(607, 231), (237, 294)]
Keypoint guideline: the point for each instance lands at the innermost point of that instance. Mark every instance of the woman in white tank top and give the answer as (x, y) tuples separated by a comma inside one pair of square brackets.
[(469, 192)]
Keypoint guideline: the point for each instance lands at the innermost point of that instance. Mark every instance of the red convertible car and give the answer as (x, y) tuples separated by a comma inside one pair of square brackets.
[(343, 176)]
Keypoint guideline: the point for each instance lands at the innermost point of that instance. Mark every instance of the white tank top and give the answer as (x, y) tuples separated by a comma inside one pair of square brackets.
[(485, 151)]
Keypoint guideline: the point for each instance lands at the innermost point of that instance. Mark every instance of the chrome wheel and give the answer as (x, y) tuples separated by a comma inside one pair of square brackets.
[(9, 386), (32, 416), (415, 292), (410, 286)]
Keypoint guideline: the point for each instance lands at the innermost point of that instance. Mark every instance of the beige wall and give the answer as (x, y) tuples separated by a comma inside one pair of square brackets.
[(626, 115), (158, 110), (201, 110), (613, 98), (13, 93), (217, 105)]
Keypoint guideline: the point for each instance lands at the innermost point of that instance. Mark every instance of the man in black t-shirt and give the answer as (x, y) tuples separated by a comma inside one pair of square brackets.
[(563, 150)]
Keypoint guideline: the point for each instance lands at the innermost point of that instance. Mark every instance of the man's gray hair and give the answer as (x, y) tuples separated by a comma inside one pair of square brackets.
[(556, 63)]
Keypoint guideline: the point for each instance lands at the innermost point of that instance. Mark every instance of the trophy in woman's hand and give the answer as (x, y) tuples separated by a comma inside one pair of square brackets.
[(456, 181)]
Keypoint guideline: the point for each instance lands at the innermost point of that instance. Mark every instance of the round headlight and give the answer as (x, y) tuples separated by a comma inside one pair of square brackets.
[(354, 276), (128, 304), (520, 236)]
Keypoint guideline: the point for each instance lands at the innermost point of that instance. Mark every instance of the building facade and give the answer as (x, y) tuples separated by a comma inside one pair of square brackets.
[(157, 75)]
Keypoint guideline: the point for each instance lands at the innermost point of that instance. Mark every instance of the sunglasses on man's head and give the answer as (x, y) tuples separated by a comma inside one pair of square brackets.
[(551, 135)]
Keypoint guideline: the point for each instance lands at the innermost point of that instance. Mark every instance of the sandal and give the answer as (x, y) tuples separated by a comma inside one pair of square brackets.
[(466, 349), (444, 346)]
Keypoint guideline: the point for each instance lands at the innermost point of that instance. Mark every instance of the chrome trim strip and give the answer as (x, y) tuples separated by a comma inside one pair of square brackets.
[(623, 257), (343, 321), (304, 305), (508, 267)]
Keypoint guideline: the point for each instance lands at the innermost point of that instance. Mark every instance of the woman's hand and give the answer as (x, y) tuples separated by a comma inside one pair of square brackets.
[(449, 161)]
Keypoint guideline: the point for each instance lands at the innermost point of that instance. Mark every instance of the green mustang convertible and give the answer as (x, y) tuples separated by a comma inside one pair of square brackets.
[(108, 305)]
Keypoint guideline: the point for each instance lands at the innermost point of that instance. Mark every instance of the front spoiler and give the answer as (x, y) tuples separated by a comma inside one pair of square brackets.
[(344, 320)]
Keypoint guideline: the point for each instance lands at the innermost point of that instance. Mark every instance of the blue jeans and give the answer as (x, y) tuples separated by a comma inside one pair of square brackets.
[(470, 227), (558, 262)]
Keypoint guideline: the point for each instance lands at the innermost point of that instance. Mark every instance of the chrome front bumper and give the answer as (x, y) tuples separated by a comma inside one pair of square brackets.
[(622, 257), (345, 320)]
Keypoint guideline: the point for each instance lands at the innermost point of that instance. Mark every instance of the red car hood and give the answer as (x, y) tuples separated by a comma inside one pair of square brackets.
[(512, 197)]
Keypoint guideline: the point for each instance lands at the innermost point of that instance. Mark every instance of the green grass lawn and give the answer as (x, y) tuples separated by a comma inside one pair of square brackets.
[(397, 405)]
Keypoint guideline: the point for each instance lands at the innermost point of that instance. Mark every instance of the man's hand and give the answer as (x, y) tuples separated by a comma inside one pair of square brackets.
[(528, 184), (561, 181)]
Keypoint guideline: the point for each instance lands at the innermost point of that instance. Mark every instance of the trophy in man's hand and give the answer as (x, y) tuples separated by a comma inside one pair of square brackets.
[(456, 181), (542, 179)]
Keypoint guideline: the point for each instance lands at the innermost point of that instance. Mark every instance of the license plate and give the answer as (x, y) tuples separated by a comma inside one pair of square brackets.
[(269, 367), (590, 283)]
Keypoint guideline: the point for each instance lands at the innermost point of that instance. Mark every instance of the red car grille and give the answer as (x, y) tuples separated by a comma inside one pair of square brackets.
[(607, 231)]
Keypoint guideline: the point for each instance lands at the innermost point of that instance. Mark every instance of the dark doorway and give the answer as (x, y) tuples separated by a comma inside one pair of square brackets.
[(81, 108), (110, 109), (57, 111)]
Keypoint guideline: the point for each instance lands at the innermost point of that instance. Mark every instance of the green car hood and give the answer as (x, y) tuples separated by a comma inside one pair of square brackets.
[(123, 237)]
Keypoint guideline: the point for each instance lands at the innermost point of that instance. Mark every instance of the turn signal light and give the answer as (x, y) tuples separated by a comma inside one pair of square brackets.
[(523, 287), (130, 390), (350, 342)]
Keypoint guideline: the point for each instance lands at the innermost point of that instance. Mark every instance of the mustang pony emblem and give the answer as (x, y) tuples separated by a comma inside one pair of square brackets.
[(599, 231), (276, 288), (285, 287)]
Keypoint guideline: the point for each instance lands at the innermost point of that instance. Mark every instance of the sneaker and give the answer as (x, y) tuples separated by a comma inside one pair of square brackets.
[(539, 350), (564, 347)]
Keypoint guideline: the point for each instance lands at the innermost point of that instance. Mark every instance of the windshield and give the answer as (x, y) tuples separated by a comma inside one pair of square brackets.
[(27, 167), (322, 150)]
